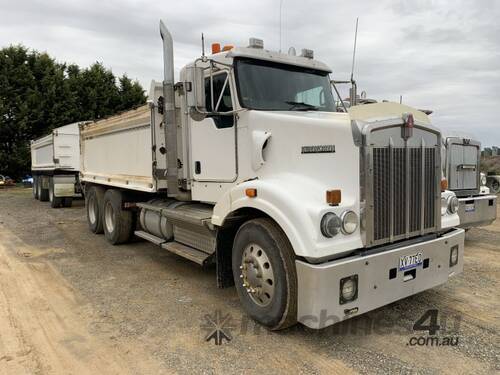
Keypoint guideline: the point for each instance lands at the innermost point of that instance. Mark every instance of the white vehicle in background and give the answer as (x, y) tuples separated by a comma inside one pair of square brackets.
[(461, 166), (55, 165), (315, 215)]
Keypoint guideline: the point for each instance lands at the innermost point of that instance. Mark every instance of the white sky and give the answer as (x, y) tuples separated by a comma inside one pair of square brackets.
[(440, 55)]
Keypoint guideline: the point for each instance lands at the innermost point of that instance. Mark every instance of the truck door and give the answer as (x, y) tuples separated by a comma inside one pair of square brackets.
[(213, 144)]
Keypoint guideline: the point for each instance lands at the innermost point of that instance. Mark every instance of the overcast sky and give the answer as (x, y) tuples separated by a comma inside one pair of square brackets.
[(440, 55)]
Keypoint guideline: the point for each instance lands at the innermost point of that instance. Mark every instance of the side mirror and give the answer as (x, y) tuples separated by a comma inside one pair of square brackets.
[(195, 92)]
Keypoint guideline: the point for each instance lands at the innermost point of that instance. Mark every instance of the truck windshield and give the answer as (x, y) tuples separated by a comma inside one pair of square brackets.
[(268, 86)]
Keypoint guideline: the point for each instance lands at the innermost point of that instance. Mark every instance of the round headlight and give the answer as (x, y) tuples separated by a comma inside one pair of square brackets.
[(330, 225), (349, 289), (452, 204), (349, 222), (483, 179)]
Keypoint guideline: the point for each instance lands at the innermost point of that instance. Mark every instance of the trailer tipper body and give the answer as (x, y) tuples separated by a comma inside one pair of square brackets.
[(245, 162), (55, 165)]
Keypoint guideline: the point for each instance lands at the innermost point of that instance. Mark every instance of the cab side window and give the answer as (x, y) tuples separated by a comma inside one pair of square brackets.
[(225, 103)]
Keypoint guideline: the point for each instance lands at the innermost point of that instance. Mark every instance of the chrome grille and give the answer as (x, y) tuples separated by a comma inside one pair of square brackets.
[(404, 192)]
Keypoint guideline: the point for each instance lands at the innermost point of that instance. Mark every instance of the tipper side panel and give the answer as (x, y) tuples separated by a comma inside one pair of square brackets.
[(117, 151)]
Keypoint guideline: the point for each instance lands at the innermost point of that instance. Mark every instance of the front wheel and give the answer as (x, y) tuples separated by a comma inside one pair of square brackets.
[(495, 187), (263, 264)]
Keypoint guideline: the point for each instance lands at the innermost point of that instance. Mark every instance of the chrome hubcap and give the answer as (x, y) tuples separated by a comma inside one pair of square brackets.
[(109, 217), (257, 275)]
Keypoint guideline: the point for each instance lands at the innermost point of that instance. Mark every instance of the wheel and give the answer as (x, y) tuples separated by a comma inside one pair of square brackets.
[(495, 186), (263, 264), (43, 194), (117, 222), (35, 187), (94, 203), (55, 202), (67, 202)]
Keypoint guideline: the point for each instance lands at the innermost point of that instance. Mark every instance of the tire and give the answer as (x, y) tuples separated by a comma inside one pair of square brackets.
[(495, 186), (43, 194), (94, 203), (117, 223), (55, 202), (35, 187), (67, 202), (278, 309)]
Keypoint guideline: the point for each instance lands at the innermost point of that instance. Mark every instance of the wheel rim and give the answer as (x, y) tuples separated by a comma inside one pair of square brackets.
[(109, 217), (92, 209), (257, 275)]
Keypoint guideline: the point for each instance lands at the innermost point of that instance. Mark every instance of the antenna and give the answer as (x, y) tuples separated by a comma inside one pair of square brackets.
[(281, 6), (202, 45), (354, 50)]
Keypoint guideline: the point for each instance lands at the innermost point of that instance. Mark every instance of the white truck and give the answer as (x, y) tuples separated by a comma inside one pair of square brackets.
[(461, 166), (55, 165), (315, 215)]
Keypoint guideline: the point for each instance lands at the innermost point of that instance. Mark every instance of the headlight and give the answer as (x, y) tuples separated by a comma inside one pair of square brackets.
[(483, 179), (330, 225), (349, 222), (348, 289), (452, 204), (444, 206)]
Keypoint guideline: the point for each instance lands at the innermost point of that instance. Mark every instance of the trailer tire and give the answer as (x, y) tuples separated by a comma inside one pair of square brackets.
[(117, 222), (261, 247), (67, 202), (43, 194), (55, 202), (35, 187), (94, 205)]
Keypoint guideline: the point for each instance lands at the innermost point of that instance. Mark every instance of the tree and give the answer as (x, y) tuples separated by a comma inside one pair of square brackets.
[(38, 94)]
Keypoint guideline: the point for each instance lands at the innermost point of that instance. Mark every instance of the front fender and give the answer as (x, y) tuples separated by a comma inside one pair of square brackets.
[(297, 204)]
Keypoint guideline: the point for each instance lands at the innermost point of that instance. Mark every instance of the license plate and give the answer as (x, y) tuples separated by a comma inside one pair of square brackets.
[(471, 207), (407, 262)]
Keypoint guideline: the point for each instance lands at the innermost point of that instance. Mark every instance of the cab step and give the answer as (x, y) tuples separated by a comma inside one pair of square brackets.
[(187, 252)]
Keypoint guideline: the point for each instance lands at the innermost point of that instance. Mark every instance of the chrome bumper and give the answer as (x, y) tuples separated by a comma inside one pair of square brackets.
[(319, 303), (477, 211)]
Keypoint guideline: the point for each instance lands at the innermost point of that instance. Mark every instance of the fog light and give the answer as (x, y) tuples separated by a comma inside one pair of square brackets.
[(452, 204), (349, 222), (453, 255), (330, 225), (348, 289)]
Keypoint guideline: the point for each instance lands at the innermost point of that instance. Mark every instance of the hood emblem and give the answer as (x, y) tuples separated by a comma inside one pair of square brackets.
[(320, 149), (407, 128)]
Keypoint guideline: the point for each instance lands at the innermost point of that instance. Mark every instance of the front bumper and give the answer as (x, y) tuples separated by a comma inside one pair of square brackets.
[(477, 211), (319, 284)]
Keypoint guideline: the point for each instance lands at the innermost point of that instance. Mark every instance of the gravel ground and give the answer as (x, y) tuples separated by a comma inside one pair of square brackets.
[(72, 303)]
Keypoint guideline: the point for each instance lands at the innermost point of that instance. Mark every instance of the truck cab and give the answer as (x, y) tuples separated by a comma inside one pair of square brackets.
[(314, 214)]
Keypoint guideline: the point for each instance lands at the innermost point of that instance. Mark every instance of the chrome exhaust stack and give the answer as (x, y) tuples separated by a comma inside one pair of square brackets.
[(169, 111)]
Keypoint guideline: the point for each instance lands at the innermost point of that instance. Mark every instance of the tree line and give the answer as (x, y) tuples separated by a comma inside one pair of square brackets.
[(38, 94)]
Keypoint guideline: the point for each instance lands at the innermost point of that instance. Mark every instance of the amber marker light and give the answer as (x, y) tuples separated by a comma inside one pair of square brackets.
[(333, 197), (444, 184), (251, 193)]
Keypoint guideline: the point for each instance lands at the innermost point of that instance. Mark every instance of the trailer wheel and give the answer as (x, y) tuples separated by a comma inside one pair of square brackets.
[(67, 202), (43, 194), (116, 221), (55, 202), (264, 273), (94, 204), (35, 187)]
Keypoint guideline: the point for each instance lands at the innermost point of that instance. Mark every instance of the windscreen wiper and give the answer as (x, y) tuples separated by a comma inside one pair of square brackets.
[(301, 106)]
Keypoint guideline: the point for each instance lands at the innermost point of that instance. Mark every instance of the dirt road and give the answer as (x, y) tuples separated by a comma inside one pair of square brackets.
[(70, 303)]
